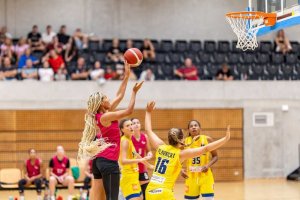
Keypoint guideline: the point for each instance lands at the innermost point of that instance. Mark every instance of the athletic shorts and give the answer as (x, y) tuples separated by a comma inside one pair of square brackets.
[(159, 194), (130, 185), (143, 176), (103, 166), (199, 185)]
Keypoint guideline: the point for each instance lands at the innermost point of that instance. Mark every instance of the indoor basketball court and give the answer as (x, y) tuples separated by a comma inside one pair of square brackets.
[(149, 99)]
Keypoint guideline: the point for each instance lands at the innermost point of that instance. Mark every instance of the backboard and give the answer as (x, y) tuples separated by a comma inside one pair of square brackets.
[(288, 13)]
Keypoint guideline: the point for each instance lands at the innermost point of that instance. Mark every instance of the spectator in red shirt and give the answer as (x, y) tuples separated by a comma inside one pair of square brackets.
[(60, 172), (57, 64), (188, 71), (32, 174), (110, 74)]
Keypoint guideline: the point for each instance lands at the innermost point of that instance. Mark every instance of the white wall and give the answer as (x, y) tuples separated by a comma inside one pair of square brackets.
[(177, 19), (268, 151), (2, 12)]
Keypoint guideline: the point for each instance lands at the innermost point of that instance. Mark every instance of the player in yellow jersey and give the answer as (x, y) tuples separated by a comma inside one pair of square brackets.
[(169, 158), (199, 177), (129, 160)]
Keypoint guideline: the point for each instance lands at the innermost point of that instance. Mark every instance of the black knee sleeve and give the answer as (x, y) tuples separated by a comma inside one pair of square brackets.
[(38, 185), (143, 187), (22, 184), (111, 184), (86, 183)]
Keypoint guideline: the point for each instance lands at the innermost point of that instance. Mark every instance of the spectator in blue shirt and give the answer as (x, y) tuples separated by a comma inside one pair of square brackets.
[(26, 56)]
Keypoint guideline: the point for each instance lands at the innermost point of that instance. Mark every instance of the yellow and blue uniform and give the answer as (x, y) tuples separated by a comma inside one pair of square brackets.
[(166, 171), (198, 183), (129, 182)]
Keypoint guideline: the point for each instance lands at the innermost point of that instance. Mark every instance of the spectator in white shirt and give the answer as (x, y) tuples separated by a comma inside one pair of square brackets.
[(46, 73), (28, 72), (48, 36), (97, 72), (147, 75)]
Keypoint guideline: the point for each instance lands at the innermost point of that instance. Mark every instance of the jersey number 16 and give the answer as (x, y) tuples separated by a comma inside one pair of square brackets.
[(161, 165)]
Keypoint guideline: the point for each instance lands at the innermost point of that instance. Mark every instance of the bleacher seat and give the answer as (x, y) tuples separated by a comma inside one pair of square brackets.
[(224, 46), (160, 57), (233, 58), (195, 46), (287, 71), (272, 71), (138, 44), (156, 45), (9, 177), (219, 58), (234, 48), (166, 46), (212, 70), (263, 58), (123, 45), (210, 46), (257, 71), (248, 57), (168, 71), (176, 58), (181, 46), (99, 56), (266, 47), (295, 47), (291, 58), (106, 45), (277, 58), (94, 45), (205, 57)]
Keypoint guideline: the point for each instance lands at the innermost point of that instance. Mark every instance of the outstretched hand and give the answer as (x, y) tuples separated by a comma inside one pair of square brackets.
[(137, 86), (228, 133), (150, 106)]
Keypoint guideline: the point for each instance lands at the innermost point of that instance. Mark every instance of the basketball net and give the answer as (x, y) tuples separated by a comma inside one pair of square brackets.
[(246, 25)]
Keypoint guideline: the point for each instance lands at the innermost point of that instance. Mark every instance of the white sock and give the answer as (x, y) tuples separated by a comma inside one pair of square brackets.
[(70, 197), (22, 198), (84, 195), (52, 198), (39, 197)]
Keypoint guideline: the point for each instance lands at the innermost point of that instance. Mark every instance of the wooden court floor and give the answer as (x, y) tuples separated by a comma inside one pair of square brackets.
[(263, 189)]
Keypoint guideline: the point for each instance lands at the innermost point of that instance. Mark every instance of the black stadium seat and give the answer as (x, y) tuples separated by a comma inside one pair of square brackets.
[(99, 56), (176, 58), (233, 58), (291, 58), (156, 45), (181, 46), (195, 46), (295, 47), (94, 45), (266, 47), (224, 46), (160, 57), (205, 57), (138, 44), (210, 46), (219, 58), (263, 58), (277, 58), (123, 45), (166, 45), (106, 45)]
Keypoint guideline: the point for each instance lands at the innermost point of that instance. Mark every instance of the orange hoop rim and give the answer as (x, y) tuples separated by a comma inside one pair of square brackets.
[(251, 15)]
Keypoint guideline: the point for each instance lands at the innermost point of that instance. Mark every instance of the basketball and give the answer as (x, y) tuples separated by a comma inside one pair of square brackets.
[(133, 56)]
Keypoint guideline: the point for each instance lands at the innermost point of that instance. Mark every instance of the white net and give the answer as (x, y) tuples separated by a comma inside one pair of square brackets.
[(245, 26)]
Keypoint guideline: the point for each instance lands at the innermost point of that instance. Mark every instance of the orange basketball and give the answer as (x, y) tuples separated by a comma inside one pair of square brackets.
[(133, 56)]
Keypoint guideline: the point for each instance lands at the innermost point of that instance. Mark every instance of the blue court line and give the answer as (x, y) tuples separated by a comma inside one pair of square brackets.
[(284, 23)]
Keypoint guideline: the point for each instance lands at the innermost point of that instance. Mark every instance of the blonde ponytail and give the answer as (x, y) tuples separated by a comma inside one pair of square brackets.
[(88, 146)]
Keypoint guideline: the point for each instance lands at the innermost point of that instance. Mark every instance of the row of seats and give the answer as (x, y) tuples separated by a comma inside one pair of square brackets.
[(9, 177), (181, 46)]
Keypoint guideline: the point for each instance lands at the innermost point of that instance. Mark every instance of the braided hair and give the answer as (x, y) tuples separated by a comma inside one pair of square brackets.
[(88, 146)]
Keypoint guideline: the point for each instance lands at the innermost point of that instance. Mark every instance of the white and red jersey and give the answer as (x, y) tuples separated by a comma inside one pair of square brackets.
[(141, 148)]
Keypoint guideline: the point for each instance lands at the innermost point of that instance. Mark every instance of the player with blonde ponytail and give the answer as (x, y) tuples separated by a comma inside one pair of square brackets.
[(101, 138), (168, 158)]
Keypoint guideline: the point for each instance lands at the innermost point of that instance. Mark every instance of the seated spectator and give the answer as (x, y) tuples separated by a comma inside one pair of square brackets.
[(81, 39), (63, 37), (115, 53), (9, 72), (224, 73), (119, 72), (110, 74), (129, 44), (148, 50), (4, 34), (33, 175), (46, 73), (28, 72), (57, 64), (147, 75), (80, 72), (88, 178), (21, 47), (35, 39), (60, 173), (7, 49), (70, 53), (97, 73), (48, 36), (26, 56), (283, 44), (188, 71)]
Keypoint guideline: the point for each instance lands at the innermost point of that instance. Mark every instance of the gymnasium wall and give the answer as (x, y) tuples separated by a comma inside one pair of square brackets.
[(161, 19), (45, 129), (2, 12), (268, 151)]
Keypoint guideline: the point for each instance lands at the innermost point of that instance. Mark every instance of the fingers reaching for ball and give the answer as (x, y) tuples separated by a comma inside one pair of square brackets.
[(137, 86)]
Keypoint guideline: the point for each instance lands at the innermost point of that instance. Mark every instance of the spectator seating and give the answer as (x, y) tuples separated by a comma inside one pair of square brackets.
[(9, 177)]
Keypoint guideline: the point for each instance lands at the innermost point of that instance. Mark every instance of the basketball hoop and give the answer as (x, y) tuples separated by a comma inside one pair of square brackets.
[(246, 25)]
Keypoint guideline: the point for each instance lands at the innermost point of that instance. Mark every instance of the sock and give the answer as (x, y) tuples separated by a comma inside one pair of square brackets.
[(39, 197), (52, 198), (22, 198), (70, 197), (84, 195)]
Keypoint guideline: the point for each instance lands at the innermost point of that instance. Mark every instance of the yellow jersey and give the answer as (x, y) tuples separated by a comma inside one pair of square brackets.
[(194, 164), (131, 154), (167, 168)]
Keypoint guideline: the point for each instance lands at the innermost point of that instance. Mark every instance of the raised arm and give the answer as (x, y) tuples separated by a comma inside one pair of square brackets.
[(214, 158), (122, 89), (191, 153), (153, 138), (108, 117)]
